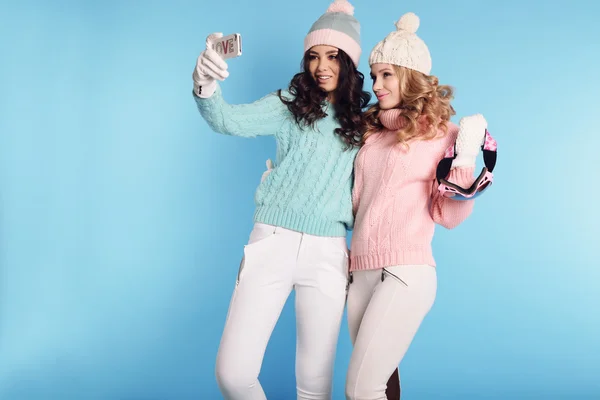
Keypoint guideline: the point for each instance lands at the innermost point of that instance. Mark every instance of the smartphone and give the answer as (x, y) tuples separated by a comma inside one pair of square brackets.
[(229, 46)]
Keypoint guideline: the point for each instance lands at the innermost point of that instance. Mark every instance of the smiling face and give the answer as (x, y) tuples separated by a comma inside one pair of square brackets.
[(324, 66), (386, 85)]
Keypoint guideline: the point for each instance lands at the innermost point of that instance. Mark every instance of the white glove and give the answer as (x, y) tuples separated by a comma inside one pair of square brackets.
[(469, 141), (210, 67), (268, 171)]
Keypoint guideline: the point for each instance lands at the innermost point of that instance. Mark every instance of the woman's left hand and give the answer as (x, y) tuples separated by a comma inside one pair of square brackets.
[(268, 171), (469, 141)]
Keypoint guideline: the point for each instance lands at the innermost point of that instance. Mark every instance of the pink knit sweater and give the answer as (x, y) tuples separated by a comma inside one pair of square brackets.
[(396, 201)]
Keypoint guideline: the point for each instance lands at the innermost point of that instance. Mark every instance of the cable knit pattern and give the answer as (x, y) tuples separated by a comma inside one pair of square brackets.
[(396, 201), (309, 190)]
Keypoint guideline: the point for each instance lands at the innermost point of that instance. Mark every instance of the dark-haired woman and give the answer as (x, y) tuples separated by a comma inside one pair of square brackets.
[(303, 207)]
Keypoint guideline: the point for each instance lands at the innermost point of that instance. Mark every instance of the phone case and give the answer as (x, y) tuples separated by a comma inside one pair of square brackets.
[(229, 46)]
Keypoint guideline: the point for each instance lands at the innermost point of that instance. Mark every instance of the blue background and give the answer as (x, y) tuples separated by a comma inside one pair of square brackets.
[(123, 217)]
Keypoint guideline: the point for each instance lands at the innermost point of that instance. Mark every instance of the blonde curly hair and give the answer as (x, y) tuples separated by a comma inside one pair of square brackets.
[(425, 107)]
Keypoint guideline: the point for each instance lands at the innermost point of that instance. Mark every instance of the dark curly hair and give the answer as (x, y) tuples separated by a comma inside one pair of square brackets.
[(350, 99)]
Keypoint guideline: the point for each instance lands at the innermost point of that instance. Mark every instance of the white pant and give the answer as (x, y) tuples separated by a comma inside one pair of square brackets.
[(383, 318), (277, 260)]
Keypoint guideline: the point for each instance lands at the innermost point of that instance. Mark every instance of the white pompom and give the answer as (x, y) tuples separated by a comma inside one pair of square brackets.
[(341, 6), (408, 22)]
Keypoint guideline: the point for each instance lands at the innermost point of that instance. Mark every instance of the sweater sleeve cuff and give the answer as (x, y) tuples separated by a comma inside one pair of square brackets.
[(206, 102), (462, 176)]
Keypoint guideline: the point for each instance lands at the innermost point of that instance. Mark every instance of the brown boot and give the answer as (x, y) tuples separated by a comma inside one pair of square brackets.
[(393, 386)]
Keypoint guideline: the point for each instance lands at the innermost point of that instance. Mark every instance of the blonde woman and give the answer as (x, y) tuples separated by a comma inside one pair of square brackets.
[(396, 203)]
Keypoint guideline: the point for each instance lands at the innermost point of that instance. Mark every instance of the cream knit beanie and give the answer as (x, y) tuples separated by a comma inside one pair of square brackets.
[(403, 47)]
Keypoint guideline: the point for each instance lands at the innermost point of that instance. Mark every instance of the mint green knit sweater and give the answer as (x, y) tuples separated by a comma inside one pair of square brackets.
[(309, 189)]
